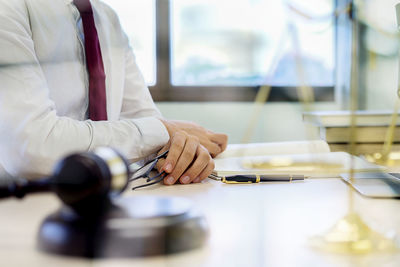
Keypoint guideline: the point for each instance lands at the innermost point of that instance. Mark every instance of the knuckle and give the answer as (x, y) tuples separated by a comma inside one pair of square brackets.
[(178, 137), (188, 154), (177, 146), (178, 134), (192, 144), (204, 155), (172, 156), (204, 163), (182, 134), (201, 149), (194, 139)]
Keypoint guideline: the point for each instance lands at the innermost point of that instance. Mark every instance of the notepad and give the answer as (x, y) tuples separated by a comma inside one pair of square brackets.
[(310, 158)]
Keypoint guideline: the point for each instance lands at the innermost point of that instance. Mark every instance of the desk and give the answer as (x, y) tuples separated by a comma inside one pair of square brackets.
[(251, 225)]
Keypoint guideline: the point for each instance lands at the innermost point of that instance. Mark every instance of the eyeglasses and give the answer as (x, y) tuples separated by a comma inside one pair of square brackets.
[(145, 172)]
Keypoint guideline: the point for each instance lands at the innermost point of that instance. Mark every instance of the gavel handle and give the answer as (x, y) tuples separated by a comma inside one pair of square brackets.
[(20, 187)]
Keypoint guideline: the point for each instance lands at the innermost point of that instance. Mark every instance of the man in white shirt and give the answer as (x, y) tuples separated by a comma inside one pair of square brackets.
[(44, 96)]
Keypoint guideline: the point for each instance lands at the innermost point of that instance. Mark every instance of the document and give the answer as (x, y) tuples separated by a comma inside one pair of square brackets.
[(310, 158)]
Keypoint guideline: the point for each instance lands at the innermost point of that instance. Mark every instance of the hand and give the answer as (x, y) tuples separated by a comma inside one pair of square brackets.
[(187, 160), (215, 143)]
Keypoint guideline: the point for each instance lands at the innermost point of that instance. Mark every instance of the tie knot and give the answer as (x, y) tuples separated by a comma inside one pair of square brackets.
[(83, 6)]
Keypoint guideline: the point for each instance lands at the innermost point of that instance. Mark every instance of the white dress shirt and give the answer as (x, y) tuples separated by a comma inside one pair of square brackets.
[(44, 88)]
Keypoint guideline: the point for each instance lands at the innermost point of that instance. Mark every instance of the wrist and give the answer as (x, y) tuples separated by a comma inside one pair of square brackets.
[(168, 125)]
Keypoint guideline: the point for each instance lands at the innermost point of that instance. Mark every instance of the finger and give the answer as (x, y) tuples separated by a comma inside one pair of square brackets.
[(220, 139), (199, 164), (160, 164), (178, 142), (165, 148), (161, 161), (206, 172), (185, 160), (213, 148)]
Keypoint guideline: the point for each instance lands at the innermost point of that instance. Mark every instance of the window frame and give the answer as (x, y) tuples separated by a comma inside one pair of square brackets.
[(165, 91)]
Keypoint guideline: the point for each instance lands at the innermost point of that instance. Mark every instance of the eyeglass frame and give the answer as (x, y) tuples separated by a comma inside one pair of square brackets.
[(150, 180)]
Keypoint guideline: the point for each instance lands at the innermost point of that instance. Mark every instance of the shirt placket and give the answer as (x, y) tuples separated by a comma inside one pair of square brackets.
[(81, 37)]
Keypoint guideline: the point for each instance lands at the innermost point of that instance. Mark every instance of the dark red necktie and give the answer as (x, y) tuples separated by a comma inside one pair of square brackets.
[(94, 62)]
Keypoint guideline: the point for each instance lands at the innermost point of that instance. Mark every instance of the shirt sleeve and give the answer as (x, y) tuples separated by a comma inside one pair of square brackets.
[(137, 102), (32, 136)]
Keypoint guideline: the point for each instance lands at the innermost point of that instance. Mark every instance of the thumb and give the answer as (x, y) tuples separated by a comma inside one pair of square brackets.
[(160, 164)]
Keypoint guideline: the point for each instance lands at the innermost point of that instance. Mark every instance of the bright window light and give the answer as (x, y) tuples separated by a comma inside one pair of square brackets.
[(252, 42), (138, 20)]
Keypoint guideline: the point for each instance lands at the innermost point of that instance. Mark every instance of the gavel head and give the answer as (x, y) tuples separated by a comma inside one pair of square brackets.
[(86, 181)]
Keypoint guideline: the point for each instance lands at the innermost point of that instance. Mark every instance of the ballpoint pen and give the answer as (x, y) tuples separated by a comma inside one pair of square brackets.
[(254, 178)]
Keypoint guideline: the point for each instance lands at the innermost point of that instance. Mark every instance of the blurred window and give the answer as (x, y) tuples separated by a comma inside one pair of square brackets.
[(238, 42), (137, 18), (202, 47)]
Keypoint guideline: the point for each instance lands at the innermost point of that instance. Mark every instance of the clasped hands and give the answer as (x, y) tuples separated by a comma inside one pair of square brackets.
[(191, 152)]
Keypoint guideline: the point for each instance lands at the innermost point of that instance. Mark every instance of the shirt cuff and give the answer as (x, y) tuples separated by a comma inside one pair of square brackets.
[(153, 133)]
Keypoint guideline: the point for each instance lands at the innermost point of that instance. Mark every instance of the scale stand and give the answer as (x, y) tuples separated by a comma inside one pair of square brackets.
[(351, 234), (130, 227)]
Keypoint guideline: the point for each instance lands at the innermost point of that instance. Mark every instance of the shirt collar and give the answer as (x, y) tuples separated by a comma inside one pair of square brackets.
[(70, 1)]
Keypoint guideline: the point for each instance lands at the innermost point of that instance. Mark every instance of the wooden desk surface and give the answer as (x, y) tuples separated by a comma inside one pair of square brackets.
[(251, 225)]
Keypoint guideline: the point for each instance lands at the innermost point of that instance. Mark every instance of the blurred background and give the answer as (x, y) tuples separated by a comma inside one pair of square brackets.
[(206, 59)]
